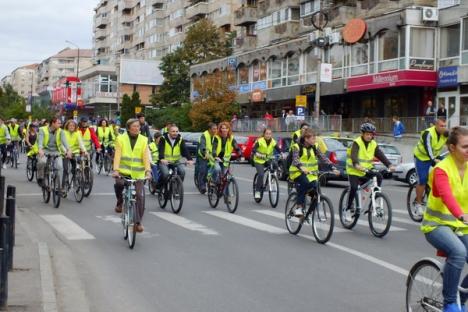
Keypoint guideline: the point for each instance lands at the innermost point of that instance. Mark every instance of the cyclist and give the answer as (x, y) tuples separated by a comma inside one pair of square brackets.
[(144, 127), (31, 141), (204, 151), (53, 141), (153, 147), (304, 167), (359, 161), (171, 149), (132, 160), (445, 219), (224, 144), (296, 136), (15, 135), (426, 153), (263, 151), (4, 140), (88, 136), (76, 146), (166, 128), (106, 138)]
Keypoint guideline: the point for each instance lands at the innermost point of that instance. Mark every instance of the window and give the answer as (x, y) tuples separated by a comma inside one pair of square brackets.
[(310, 7), (243, 73), (422, 42), (359, 54), (450, 41), (465, 34), (388, 45), (258, 71), (293, 69), (274, 72), (336, 55)]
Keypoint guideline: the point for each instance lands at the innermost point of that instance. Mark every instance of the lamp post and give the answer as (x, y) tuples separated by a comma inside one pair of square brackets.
[(77, 70)]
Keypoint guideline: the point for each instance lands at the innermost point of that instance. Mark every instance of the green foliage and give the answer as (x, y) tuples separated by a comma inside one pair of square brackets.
[(128, 106), (178, 115), (12, 105), (41, 112)]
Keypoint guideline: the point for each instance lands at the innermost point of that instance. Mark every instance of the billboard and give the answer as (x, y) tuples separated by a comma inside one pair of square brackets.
[(141, 72)]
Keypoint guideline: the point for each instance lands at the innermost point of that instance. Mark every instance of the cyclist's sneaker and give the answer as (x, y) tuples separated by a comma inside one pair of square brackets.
[(419, 208), (298, 212), (139, 228), (452, 307), (258, 195), (118, 209), (203, 190)]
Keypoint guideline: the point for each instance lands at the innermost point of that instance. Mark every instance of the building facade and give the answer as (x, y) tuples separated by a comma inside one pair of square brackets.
[(24, 80)]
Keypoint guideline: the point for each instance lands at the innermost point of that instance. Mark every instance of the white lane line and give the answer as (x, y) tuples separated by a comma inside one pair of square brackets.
[(49, 299), (184, 222), (245, 222), (277, 230), (69, 229), (279, 215), (405, 221)]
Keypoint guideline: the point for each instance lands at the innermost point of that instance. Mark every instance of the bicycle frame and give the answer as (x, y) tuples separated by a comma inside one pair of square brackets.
[(374, 187)]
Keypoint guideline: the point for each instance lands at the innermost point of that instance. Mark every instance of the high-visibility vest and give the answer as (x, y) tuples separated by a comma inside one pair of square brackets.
[(265, 149), (208, 143), (73, 140), (131, 160), (227, 149), (320, 144), (58, 138), (308, 159), (3, 134), (437, 144), (34, 150), (365, 157), (105, 135), (154, 152), (437, 213), (86, 137), (172, 154), (14, 132)]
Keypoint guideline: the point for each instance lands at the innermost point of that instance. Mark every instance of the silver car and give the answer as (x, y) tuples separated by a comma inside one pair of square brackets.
[(406, 172), (393, 155)]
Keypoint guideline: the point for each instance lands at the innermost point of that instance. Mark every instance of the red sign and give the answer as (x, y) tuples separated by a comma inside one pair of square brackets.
[(354, 30), (393, 79)]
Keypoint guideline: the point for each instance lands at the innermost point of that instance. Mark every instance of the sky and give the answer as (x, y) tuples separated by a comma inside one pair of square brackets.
[(33, 30)]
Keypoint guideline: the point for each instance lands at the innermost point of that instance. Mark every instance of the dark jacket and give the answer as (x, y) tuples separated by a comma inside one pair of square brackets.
[(144, 130), (183, 148)]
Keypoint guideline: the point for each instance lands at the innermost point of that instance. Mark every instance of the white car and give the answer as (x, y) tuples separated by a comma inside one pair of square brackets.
[(406, 172)]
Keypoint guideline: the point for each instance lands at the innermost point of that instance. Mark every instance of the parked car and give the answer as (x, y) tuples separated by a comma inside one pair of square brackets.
[(246, 144), (393, 154), (191, 141), (336, 153), (406, 172)]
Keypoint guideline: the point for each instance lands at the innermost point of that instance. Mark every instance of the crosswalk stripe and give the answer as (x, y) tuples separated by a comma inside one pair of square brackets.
[(246, 222), (184, 222), (69, 229)]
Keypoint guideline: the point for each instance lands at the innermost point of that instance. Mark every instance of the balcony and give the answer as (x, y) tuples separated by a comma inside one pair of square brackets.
[(245, 16), (126, 31), (127, 18), (100, 34), (198, 10), (284, 31), (101, 21), (101, 44), (127, 5), (245, 43)]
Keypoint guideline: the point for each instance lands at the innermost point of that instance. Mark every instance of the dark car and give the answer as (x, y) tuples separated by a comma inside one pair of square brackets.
[(283, 143), (191, 141), (336, 153)]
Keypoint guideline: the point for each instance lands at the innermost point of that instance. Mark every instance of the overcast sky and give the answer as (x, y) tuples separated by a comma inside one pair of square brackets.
[(33, 30)]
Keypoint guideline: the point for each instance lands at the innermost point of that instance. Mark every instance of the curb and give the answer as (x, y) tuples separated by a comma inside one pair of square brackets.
[(49, 300)]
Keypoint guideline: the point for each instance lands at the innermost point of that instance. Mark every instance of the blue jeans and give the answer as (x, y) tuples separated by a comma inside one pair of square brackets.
[(202, 165), (422, 169), (155, 172), (455, 247), (303, 185), (217, 171)]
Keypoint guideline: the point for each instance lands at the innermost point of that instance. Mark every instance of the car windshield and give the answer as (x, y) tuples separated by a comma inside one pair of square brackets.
[(389, 149), (241, 139), (333, 144)]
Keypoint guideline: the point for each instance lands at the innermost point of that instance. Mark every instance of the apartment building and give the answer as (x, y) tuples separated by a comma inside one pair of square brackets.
[(6, 80), (24, 80), (391, 69)]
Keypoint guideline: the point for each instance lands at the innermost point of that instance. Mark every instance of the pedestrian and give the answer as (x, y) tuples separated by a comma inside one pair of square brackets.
[(290, 120), (283, 119), (268, 119), (398, 128), (144, 127), (234, 122), (442, 111), (429, 114)]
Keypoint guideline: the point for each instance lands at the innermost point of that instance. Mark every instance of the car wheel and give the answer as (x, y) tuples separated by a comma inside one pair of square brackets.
[(411, 177)]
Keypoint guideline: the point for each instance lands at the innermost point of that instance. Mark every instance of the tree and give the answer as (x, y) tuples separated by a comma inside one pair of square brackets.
[(12, 105), (178, 115), (128, 106)]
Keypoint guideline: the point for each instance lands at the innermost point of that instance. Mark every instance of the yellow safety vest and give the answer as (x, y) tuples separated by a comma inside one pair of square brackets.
[(73, 140), (227, 149), (437, 213), (208, 143), (154, 152), (58, 138), (3, 132), (131, 160), (437, 144), (14, 132), (365, 157), (308, 159), (86, 137), (105, 135), (172, 154), (320, 144), (265, 149)]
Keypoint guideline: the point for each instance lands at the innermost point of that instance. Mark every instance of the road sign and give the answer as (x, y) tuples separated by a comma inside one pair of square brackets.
[(137, 109), (28, 108), (301, 101)]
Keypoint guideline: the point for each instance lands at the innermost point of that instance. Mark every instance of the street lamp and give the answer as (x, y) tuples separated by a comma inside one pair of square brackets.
[(77, 70)]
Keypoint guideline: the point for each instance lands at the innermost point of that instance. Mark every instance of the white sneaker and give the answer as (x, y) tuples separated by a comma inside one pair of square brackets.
[(4, 166), (257, 195), (419, 208), (298, 212)]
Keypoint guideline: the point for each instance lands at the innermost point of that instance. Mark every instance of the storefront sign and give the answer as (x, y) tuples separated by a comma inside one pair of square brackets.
[(354, 30), (301, 101), (326, 72), (421, 64), (308, 89), (257, 96), (232, 62), (447, 77), (393, 79), (245, 88)]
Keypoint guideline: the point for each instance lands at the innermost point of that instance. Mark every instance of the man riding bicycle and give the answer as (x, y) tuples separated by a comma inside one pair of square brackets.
[(426, 153), (88, 136), (132, 160), (204, 151), (359, 161), (153, 147), (106, 138), (15, 134), (4, 140)]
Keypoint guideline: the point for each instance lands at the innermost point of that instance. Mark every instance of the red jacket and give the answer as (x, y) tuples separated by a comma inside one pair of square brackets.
[(94, 137)]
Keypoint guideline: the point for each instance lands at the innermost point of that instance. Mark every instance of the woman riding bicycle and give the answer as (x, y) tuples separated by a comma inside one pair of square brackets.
[(31, 142), (223, 146), (304, 167), (263, 151), (76, 146), (106, 138), (445, 220)]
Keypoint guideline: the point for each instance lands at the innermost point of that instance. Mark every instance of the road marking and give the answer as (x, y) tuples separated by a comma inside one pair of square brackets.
[(67, 227), (245, 222), (110, 218), (279, 215), (184, 222)]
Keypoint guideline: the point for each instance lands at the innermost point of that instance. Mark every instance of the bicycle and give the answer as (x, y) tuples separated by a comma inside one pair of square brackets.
[(88, 176), (226, 187), (51, 181), (129, 211), (172, 191), (424, 286), (13, 155), (379, 207), (320, 214), (270, 182), (75, 182), (105, 162), (414, 214), (31, 167)]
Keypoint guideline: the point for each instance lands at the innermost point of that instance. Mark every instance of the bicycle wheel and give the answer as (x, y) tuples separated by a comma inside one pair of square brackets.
[(78, 186), (273, 191), (15, 158), (231, 195), (100, 164), (213, 198), (195, 176), (323, 220), (56, 195), (347, 218), (88, 181), (380, 216), (152, 187), (424, 287), (46, 188), (411, 203), (131, 226), (177, 194), (124, 219), (293, 223), (30, 169), (107, 164), (162, 198), (257, 200)]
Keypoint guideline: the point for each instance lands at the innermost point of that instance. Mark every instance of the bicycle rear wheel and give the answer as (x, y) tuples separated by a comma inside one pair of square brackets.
[(30, 169), (88, 181), (107, 164), (231, 195), (177, 194), (213, 198), (124, 219), (131, 226), (347, 217), (162, 198), (46, 188), (254, 183), (290, 186), (323, 220), (380, 216), (56, 196), (293, 223), (424, 287), (273, 191), (15, 158), (78, 187), (100, 164), (411, 203)]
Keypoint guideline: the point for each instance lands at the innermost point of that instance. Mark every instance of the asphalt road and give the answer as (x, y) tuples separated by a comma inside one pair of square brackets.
[(206, 259)]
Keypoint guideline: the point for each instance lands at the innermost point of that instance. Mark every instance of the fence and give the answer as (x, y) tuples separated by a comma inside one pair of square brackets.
[(327, 123)]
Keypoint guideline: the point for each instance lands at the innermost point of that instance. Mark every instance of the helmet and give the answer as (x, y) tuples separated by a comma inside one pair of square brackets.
[(83, 119), (368, 127)]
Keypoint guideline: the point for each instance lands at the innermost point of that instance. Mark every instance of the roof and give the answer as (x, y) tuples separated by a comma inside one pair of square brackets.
[(31, 66), (67, 52)]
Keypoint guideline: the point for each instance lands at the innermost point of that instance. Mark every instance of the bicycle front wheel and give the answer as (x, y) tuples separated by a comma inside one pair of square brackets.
[(273, 191), (424, 287), (108, 164), (293, 223), (162, 197), (131, 226), (414, 214), (15, 158), (254, 183), (78, 188), (46, 188), (380, 216), (348, 218), (30, 169), (177, 194), (56, 194), (88, 181), (231, 195), (323, 220), (213, 198)]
